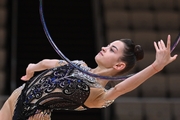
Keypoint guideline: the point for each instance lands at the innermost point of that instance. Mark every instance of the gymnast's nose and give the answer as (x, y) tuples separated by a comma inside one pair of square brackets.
[(104, 49)]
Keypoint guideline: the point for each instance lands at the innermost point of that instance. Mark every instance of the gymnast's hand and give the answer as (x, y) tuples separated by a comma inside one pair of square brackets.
[(29, 72), (163, 54), (42, 65)]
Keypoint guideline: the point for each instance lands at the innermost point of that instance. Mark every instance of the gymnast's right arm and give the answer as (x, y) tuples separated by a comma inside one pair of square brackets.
[(7, 110), (42, 65)]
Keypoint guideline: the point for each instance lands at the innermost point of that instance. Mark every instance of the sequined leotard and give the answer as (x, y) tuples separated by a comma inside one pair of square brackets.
[(60, 88)]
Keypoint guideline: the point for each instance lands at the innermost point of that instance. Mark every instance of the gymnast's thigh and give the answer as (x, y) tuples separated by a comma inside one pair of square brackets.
[(7, 109)]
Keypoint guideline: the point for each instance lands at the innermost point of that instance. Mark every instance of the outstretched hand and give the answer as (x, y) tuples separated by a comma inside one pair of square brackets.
[(163, 54)]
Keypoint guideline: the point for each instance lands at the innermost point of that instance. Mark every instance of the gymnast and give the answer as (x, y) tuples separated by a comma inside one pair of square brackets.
[(60, 86), (73, 85)]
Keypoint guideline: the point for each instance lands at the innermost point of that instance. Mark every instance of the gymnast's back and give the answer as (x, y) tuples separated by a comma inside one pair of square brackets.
[(60, 88)]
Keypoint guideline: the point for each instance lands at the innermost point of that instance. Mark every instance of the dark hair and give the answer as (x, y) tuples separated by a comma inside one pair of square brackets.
[(131, 54)]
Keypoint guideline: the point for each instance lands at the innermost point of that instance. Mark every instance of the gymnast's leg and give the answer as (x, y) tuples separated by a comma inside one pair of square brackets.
[(7, 110)]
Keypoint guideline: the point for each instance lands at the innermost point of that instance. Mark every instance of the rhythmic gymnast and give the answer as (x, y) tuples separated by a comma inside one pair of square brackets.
[(63, 87), (72, 85)]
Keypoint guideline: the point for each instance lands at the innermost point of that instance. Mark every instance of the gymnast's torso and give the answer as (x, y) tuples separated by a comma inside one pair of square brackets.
[(60, 88)]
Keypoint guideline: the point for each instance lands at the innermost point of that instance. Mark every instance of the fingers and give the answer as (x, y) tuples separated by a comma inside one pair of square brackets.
[(169, 42), (29, 73), (173, 58), (25, 78), (161, 45), (156, 47)]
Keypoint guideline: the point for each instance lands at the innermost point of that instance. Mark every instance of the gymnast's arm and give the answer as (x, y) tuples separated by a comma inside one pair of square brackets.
[(163, 57), (42, 65), (7, 110)]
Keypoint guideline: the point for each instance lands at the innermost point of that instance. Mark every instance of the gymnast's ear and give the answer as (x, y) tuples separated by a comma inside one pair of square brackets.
[(119, 66)]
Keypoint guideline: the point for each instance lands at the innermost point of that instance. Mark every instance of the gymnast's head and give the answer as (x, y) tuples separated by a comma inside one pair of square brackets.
[(120, 55)]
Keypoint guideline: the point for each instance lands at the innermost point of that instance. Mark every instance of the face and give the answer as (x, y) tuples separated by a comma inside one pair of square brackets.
[(110, 55)]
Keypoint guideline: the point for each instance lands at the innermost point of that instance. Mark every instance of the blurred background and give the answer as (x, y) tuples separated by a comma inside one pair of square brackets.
[(80, 28)]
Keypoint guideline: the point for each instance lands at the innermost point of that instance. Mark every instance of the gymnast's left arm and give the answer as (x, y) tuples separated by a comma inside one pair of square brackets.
[(163, 58)]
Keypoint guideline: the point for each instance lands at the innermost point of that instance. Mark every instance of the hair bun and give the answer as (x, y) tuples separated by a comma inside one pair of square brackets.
[(139, 53)]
